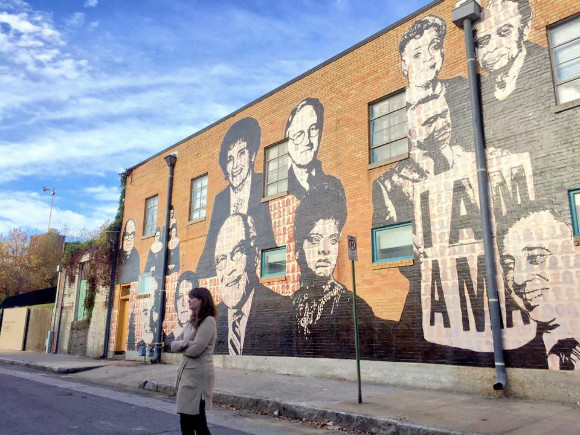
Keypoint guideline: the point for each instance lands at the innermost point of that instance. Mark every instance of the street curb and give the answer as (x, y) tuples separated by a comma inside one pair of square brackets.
[(167, 389), (59, 370), (382, 426)]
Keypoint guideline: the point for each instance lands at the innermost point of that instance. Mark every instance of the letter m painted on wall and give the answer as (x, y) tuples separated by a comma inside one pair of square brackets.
[(509, 198)]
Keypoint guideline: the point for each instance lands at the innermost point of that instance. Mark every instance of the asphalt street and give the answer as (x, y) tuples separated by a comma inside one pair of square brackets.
[(37, 403)]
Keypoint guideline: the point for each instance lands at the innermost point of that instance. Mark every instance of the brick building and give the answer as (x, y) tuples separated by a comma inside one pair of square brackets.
[(378, 143)]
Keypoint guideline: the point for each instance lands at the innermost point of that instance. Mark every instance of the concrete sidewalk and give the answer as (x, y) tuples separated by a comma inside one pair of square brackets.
[(385, 409)]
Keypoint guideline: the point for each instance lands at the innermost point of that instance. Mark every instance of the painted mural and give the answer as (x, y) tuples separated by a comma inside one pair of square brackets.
[(187, 281), (436, 189), (154, 263), (445, 318), (173, 250), (244, 193), (252, 319), (324, 306), (143, 326), (540, 270), (304, 133), (128, 257)]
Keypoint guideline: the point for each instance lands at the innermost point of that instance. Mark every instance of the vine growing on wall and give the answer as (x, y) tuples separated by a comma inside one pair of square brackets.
[(100, 250)]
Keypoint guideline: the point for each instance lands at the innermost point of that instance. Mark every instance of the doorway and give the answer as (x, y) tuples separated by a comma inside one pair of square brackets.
[(123, 319)]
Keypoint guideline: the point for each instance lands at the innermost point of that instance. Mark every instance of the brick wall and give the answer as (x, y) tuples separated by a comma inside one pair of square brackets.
[(431, 308)]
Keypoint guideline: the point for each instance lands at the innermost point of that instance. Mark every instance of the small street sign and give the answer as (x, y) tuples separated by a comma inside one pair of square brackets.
[(352, 248)]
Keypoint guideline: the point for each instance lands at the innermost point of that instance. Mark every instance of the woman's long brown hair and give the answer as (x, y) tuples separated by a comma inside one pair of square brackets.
[(207, 307)]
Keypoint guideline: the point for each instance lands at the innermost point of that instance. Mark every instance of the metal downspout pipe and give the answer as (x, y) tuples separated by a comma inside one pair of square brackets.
[(463, 16), (111, 296), (170, 160)]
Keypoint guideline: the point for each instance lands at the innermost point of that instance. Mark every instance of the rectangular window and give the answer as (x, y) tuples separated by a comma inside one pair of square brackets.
[(564, 41), (393, 243), (150, 215), (274, 262), (144, 285), (276, 169), (575, 209), (388, 128), (198, 197)]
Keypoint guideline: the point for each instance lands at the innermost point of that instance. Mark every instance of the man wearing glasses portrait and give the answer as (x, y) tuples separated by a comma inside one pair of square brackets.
[(252, 319), (128, 265), (304, 133)]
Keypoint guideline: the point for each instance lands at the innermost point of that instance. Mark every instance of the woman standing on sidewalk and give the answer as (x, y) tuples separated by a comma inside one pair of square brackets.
[(195, 377)]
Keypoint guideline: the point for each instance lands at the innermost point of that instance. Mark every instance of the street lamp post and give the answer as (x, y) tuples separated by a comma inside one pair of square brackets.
[(52, 192)]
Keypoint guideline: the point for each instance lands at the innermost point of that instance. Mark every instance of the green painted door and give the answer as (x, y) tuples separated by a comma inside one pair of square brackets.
[(81, 311)]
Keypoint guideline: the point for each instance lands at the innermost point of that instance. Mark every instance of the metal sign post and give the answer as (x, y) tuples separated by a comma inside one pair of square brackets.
[(353, 256)]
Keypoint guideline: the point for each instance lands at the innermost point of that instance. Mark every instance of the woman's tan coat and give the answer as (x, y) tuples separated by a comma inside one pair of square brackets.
[(195, 376)]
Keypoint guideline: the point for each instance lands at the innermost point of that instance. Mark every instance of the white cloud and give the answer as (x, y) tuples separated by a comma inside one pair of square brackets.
[(125, 119), (93, 25), (104, 193), (91, 3), (29, 210), (76, 20), (30, 40)]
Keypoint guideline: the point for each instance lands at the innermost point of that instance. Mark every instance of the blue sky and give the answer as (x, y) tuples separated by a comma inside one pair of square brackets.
[(92, 87)]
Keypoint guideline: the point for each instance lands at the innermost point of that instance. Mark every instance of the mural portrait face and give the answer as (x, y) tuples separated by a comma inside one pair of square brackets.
[(238, 163), (129, 236), (422, 58), (157, 236), (304, 135), (173, 233), (181, 302), (148, 323), (231, 261), (321, 247), (186, 282), (500, 35), (430, 125), (538, 257)]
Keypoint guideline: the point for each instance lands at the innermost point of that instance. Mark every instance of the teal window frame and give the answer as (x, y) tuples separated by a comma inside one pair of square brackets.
[(574, 213), (143, 287), (375, 231), (263, 262)]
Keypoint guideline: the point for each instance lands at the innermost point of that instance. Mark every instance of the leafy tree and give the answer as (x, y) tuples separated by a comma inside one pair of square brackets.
[(28, 263)]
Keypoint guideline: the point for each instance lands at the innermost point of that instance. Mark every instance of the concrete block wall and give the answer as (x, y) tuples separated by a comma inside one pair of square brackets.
[(429, 309), (80, 337), (96, 332)]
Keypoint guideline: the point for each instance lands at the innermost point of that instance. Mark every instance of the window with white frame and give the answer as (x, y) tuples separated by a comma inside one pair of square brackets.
[(273, 262), (388, 128), (198, 197), (564, 41), (393, 243), (150, 215), (276, 180)]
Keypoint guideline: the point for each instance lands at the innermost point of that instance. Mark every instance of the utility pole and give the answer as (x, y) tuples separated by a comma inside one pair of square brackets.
[(52, 193)]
